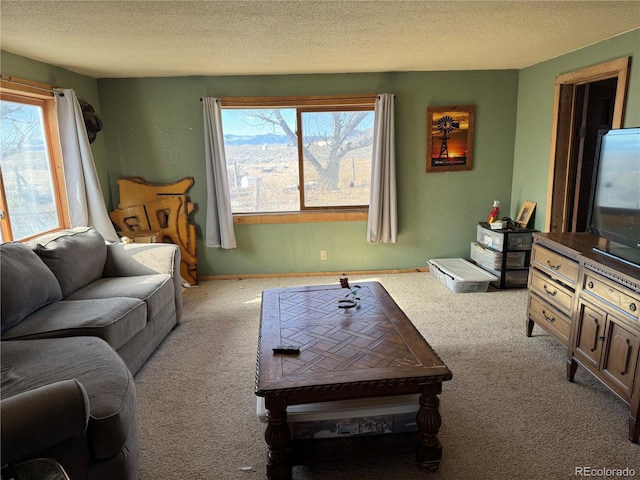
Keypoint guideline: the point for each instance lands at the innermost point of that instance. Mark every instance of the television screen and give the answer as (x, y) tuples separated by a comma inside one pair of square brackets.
[(614, 212)]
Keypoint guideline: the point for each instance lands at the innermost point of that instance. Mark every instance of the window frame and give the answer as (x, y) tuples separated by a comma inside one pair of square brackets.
[(303, 104), (38, 94)]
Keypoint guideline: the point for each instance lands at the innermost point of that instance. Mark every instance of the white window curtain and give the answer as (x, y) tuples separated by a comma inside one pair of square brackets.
[(219, 218), (84, 194), (382, 225)]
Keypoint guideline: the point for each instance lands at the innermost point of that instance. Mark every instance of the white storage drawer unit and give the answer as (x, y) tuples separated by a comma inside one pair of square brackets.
[(505, 253)]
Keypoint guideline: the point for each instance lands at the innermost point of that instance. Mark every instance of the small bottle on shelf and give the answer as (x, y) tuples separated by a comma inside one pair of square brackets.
[(494, 216)]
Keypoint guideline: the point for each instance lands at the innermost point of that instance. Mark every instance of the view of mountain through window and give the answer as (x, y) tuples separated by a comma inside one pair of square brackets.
[(266, 173)]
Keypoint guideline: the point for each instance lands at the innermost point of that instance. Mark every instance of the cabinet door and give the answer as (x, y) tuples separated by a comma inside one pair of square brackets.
[(621, 356), (590, 334)]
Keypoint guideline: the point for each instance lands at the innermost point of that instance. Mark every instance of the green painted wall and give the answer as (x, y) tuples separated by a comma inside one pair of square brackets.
[(535, 112), (85, 88), (153, 129)]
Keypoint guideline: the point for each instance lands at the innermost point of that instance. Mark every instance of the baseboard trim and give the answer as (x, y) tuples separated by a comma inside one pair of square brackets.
[(313, 274)]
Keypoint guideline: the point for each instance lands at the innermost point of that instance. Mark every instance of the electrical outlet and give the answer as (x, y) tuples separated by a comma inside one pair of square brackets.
[(323, 254)]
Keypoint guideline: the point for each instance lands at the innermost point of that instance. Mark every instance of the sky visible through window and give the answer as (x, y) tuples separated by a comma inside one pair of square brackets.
[(235, 122)]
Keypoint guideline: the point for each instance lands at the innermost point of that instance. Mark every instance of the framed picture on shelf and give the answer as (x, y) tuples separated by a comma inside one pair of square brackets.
[(524, 216), (450, 138)]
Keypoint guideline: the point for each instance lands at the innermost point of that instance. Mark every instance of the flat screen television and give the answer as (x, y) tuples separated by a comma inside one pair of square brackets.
[(614, 207)]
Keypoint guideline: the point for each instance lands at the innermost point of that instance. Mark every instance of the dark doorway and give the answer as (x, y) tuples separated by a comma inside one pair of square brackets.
[(585, 101), (594, 111)]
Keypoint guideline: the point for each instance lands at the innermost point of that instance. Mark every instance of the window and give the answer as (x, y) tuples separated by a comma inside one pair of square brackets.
[(32, 199), (303, 154)]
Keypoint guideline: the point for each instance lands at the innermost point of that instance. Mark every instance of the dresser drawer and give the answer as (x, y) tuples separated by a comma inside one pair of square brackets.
[(552, 291), (555, 265), (549, 318), (611, 295)]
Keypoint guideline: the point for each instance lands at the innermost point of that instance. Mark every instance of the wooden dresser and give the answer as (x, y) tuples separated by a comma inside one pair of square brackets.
[(591, 304)]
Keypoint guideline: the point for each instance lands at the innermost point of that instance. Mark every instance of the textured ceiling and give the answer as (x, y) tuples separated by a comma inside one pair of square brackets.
[(179, 38)]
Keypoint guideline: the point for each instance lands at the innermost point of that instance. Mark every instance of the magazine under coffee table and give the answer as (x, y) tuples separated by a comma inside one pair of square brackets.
[(372, 351)]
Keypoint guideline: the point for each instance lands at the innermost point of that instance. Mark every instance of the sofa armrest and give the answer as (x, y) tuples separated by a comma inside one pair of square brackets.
[(38, 419), (132, 259)]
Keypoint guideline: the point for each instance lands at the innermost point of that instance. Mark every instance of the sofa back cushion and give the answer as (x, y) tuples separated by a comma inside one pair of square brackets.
[(76, 257), (26, 284)]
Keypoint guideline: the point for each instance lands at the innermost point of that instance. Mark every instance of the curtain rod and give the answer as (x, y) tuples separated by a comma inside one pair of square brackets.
[(322, 97), (27, 83), (298, 101)]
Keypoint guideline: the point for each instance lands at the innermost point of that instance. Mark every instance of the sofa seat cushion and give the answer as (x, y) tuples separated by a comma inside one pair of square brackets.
[(155, 290), (115, 320), (76, 257), (28, 364), (26, 284)]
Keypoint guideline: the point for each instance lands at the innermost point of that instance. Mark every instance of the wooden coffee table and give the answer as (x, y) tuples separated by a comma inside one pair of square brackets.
[(374, 351)]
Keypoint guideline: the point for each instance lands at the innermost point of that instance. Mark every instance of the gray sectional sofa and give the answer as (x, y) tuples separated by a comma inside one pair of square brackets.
[(79, 318)]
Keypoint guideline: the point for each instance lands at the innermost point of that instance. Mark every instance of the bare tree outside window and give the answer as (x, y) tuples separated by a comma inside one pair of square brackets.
[(266, 173), (338, 147), (26, 173)]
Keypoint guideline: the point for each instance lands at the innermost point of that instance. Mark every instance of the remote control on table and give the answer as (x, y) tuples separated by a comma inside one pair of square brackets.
[(287, 349)]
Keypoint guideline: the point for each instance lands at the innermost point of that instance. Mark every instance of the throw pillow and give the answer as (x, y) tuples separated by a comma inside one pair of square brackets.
[(26, 284), (76, 256)]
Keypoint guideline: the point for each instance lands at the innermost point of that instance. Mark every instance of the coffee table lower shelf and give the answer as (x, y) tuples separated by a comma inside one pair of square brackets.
[(306, 452), (285, 452)]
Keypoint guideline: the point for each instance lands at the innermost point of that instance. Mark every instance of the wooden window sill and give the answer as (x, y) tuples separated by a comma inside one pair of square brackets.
[(300, 217)]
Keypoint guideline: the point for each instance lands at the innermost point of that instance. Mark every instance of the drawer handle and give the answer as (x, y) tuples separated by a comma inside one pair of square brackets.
[(590, 284), (628, 361), (553, 294), (552, 266), (548, 319), (596, 337), (633, 307)]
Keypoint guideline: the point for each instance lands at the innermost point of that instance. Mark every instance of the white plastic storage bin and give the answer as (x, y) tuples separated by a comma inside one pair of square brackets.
[(460, 275), (348, 418), (491, 259)]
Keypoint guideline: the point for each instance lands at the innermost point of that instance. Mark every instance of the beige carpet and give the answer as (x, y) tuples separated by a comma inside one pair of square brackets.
[(508, 413)]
